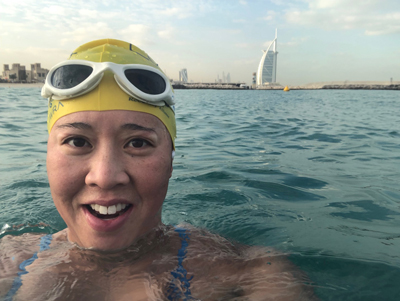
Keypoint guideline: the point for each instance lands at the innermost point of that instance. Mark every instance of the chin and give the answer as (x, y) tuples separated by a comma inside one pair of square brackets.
[(101, 243), (105, 246)]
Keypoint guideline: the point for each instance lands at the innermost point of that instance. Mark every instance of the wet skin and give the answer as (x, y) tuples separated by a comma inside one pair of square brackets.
[(218, 269), (123, 157), (108, 158)]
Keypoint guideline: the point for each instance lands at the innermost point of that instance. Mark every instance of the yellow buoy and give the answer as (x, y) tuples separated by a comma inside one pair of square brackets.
[(286, 89)]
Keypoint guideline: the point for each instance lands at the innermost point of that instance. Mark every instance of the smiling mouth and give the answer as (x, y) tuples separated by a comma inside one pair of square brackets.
[(110, 212)]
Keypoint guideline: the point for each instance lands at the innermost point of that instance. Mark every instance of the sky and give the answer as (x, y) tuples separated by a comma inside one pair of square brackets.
[(318, 40)]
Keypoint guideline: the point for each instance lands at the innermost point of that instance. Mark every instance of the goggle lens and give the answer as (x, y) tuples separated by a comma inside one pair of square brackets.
[(70, 76), (146, 81)]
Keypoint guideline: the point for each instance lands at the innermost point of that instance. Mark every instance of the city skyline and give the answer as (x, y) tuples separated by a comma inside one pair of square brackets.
[(319, 40)]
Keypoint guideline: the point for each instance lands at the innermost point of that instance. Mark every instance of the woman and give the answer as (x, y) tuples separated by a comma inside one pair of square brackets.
[(111, 142)]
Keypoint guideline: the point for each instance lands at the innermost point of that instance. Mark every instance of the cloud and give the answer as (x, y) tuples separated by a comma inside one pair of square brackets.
[(87, 32), (71, 23), (88, 13), (11, 28), (182, 9), (167, 33), (244, 45), (43, 52), (294, 42), (234, 31), (246, 62), (33, 55), (385, 24), (279, 2), (139, 34), (271, 15), (243, 2), (54, 10), (178, 12), (373, 17), (93, 14)]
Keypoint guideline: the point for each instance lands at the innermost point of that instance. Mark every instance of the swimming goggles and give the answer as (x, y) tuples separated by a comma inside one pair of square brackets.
[(73, 78)]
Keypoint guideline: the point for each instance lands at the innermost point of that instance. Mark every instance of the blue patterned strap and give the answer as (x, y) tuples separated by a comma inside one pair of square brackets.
[(44, 245), (179, 288)]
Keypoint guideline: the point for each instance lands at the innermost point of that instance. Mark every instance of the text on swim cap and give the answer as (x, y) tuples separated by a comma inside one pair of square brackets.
[(53, 109)]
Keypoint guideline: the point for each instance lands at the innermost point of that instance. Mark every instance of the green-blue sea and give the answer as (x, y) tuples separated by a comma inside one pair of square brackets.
[(315, 174)]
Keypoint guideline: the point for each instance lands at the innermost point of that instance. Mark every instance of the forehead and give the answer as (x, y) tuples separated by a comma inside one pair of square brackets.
[(112, 119)]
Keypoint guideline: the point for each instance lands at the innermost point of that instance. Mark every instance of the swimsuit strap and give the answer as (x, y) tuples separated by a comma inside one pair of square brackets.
[(179, 288), (44, 245)]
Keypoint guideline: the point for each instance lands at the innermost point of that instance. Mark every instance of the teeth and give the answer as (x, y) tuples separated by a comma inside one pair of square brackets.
[(112, 209), (108, 210), (103, 210)]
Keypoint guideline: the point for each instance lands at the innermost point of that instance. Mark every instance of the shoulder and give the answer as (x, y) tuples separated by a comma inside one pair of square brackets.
[(16, 249), (13, 251), (19, 252), (256, 273), (275, 275), (204, 241)]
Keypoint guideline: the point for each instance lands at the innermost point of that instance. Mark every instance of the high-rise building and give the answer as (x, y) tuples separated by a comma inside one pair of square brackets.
[(183, 76), (266, 73)]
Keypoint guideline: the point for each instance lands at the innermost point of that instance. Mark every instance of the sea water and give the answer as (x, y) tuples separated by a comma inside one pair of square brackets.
[(314, 174)]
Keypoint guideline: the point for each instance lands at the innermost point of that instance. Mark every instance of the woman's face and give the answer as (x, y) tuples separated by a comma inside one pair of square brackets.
[(108, 173)]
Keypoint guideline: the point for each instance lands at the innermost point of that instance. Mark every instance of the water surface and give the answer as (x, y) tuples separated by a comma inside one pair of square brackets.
[(311, 173)]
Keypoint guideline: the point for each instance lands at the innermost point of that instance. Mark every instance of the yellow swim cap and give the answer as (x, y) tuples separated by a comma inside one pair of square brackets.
[(108, 95)]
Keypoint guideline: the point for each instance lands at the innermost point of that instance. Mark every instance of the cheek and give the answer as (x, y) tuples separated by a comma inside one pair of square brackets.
[(153, 179), (63, 175)]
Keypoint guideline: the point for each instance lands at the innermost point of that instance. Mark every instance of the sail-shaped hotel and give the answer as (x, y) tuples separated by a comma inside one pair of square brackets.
[(266, 73)]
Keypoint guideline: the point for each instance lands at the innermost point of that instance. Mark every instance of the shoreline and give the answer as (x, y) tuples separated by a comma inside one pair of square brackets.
[(21, 85), (314, 86), (213, 86)]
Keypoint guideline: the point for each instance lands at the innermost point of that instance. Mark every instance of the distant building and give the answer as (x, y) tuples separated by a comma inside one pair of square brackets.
[(183, 76), (266, 73), (16, 73), (38, 74), (254, 80), (19, 73), (228, 78)]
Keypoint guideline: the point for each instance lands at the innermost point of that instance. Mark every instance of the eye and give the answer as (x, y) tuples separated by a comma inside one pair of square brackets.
[(137, 143), (77, 142)]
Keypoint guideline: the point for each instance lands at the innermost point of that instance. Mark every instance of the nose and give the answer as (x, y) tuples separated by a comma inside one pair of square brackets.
[(107, 169)]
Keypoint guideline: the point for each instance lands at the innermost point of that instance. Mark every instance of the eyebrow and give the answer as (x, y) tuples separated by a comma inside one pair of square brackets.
[(76, 125), (86, 126), (136, 127)]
